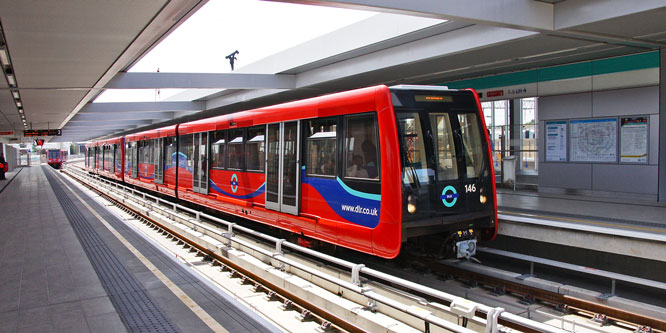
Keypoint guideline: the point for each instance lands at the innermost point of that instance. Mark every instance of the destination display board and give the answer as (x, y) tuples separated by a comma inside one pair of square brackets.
[(43, 132)]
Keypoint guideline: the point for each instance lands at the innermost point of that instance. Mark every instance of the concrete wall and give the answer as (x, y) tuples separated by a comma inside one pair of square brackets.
[(639, 181), (11, 155)]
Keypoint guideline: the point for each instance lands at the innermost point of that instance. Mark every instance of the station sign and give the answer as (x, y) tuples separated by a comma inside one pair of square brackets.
[(43, 132), (508, 92), (6, 132)]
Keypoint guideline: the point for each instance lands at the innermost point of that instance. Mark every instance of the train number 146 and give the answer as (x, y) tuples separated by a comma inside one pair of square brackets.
[(470, 188)]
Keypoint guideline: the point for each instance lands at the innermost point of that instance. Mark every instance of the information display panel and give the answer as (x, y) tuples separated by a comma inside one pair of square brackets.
[(43, 132), (634, 139), (556, 141)]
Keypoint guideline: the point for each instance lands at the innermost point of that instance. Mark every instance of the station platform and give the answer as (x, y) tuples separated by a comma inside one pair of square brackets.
[(62, 268), (627, 214)]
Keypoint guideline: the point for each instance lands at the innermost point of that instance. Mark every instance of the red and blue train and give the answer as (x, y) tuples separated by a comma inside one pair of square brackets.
[(374, 169), (55, 157)]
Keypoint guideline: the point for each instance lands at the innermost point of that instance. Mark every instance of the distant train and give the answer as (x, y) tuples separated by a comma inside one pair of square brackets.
[(55, 157), (375, 169)]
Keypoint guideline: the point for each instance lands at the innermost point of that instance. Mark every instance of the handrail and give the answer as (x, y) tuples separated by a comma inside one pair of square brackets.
[(584, 227), (577, 268)]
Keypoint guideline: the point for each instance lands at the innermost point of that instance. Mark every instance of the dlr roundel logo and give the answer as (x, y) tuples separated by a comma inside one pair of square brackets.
[(234, 183), (449, 199)]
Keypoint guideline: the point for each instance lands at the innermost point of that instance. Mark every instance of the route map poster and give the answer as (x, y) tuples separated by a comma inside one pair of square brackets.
[(634, 140), (556, 141), (594, 140)]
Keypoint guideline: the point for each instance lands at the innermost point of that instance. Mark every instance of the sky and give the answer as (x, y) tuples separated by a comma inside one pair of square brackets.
[(257, 29)]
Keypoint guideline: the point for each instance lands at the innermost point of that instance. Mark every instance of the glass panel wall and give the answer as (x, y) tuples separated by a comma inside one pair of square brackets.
[(513, 135), (528, 144)]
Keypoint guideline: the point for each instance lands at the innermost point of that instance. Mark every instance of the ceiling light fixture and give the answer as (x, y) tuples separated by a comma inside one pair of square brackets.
[(10, 76), (4, 57)]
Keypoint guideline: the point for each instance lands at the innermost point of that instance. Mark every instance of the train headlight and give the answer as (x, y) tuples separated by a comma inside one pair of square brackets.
[(411, 204), (483, 199)]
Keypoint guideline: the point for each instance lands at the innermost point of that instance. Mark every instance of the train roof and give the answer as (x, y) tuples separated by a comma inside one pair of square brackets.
[(359, 100), (153, 133)]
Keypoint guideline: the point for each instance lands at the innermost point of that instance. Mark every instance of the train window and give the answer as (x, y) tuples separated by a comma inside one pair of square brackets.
[(140, 152), (320, 144), (155, 152), (472, 146), (217, 147), (171, 153), (235, 149), (98, 157), (107, 157), (447, 167), (116, 157), (254, 148), (185, 149), (145, 152), (128, 158), (361, 147), (415, 167)]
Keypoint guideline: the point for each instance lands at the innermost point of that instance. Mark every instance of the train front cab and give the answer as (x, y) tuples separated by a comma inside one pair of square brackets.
[(448, 180), (54, 158)]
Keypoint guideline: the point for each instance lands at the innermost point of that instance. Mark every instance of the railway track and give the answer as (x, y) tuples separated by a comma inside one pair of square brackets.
[(411, 304), (553, 299)]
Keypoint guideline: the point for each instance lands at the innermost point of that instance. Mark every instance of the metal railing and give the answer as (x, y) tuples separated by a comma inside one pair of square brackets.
[(577, 268)]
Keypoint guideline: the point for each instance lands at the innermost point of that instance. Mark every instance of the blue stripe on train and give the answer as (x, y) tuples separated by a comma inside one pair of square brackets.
[(257, 192), (354, 206)]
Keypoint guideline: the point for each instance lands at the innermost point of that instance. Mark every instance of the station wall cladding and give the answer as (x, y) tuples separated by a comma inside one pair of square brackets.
[(597, 90)]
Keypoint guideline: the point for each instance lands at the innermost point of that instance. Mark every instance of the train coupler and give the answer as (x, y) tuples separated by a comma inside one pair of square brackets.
[(465, 241)]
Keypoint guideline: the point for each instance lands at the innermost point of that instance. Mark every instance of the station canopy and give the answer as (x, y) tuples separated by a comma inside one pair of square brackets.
[(75, 64)]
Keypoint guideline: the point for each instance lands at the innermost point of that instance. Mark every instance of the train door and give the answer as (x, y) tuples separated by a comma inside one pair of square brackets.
[(200, 154), (282, 167), (159, 161)]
